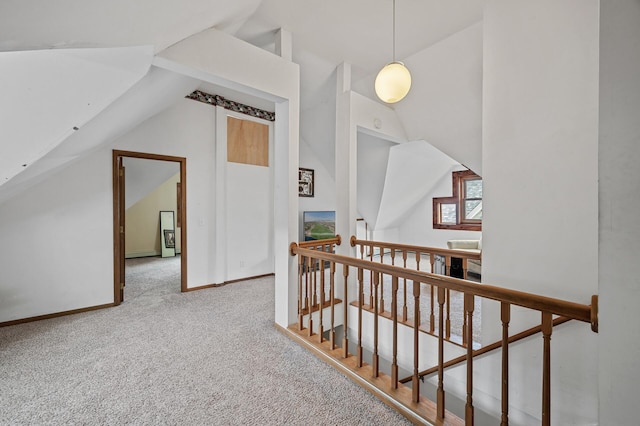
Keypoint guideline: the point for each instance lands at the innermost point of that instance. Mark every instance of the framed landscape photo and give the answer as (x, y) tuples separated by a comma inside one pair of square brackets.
[(319, 225), (305, 182)]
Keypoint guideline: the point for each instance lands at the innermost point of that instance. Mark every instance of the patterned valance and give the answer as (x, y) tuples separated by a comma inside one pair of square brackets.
[(218, 100)]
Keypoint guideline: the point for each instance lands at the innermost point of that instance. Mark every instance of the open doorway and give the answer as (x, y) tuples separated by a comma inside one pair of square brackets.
[(140, 180)]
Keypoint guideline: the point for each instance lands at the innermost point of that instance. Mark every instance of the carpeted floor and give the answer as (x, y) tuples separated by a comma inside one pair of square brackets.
[(209, 357)]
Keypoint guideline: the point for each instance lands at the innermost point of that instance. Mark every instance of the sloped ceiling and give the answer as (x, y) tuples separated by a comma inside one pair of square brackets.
[(413, 170), (144, 176), (73, 64), (44, 24), (157, 90), (324, 34), (49, 94), (445, 103), (358, 32)]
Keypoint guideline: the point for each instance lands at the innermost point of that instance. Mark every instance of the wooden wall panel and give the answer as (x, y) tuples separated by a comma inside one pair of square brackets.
[(247, 142)]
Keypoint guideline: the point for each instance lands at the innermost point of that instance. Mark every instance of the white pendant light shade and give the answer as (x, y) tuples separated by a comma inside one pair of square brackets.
[(393, 82)]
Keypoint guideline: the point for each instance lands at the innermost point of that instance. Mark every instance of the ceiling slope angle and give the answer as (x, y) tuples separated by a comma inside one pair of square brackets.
[(410, 162), (158, 90), (45, 24), (49, 94), (145, 176), (444, 106)]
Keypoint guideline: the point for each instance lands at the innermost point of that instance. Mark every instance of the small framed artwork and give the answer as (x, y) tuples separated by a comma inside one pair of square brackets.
[(167, 234), (169, 238), (305, 182)]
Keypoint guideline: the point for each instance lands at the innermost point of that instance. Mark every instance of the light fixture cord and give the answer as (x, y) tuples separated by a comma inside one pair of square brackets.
[(394, 30)]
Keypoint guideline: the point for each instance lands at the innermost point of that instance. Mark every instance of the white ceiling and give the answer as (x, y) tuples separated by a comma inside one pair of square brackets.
[(359, 32), (325, 33), (144, 176), (46, 124)]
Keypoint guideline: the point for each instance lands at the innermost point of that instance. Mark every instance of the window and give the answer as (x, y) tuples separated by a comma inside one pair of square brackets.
[(463, 210)]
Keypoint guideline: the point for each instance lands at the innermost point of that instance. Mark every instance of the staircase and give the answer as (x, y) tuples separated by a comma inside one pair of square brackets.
[(377, 330)]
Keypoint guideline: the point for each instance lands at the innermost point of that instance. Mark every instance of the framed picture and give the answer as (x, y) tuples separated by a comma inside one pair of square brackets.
[(169, 238), (167, 234), (305, 182), (319, 225)]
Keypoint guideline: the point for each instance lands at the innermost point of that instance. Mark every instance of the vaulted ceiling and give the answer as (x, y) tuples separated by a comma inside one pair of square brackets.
[(325, 33), (82, 69)]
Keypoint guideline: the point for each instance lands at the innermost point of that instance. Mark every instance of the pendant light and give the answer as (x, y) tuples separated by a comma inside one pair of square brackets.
[(394, 80)]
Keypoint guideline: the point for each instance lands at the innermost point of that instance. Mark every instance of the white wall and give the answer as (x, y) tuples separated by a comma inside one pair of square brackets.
[(193, 125), (355, 114), (77, 221), (244, 225), (540, 146), (324, 197), (244, 233), (444, 106), (57, 243), (199, 56), (318, 132), (65, 225), (619, 155), (540, 157), (372, 160), (249, 226)]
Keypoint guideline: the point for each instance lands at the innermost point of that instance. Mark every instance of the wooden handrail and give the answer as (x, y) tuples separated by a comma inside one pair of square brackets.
[(418, 249), (337, 240), (536, 302)]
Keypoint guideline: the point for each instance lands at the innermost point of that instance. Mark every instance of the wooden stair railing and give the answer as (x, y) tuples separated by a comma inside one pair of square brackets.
[(486, 349), (309, 268), (418, 253), (548, 307)]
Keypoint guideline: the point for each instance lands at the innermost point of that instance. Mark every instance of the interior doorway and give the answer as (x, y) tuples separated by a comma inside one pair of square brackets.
[(171, 238)]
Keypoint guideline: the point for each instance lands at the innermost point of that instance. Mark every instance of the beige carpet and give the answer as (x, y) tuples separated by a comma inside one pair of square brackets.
[(209, 357)]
